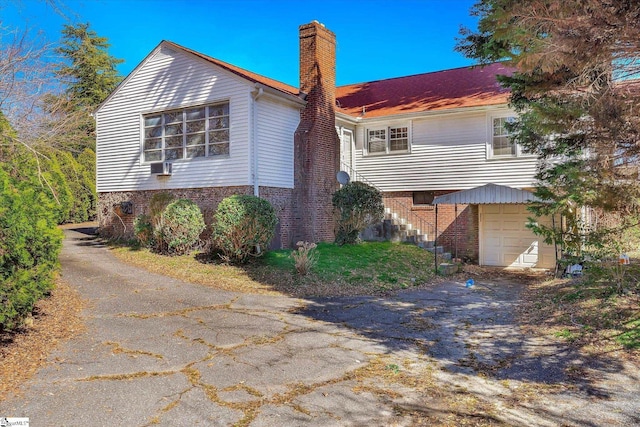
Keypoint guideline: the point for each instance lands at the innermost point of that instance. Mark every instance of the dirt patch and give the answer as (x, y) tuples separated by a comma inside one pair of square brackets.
[(55, 320)]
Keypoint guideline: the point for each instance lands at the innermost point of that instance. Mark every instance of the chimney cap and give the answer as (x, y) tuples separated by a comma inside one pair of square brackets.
[(315, 21)]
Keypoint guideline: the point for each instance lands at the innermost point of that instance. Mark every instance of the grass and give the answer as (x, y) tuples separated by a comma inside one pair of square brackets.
[(364, 269)]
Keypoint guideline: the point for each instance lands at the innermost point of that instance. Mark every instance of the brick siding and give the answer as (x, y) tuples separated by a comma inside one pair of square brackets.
[(316, 143), (115, 222), (458, 234)]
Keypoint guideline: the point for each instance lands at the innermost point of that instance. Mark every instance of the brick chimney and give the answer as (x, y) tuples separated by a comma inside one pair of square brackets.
[(316, 143)]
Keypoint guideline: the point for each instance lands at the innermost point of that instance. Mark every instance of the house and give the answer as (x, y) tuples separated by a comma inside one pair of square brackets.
[(200, 128)]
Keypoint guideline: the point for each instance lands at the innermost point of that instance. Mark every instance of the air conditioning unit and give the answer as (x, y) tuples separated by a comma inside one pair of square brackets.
[(161, 168)]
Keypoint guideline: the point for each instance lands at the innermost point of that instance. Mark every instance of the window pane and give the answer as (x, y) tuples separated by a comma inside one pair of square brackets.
[(377, 146), (195, 151), (154, 132), (196, 126), (218, 149), (150, 144), (172, 154), (173, 129), (377, 141), (399, 139), (219, 136), (196, 113), (399, 145), (219, 123), (191, 132), (174, 141), (152, 156), (503, 147), (195, 139), (219, 110), (153, 120), (173, 117)]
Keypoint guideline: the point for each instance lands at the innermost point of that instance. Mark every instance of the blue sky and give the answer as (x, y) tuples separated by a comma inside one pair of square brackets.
[(376, 39)]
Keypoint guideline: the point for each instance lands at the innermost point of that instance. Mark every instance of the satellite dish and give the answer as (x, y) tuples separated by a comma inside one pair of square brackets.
[(343, 178)]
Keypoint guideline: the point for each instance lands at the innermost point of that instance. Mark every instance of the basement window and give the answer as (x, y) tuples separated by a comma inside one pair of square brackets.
[(186, 133), (423, 198)]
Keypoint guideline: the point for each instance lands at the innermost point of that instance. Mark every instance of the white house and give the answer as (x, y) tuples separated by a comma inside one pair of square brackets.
[(200, 128)]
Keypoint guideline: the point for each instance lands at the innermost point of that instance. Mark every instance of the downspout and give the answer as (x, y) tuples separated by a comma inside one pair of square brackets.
[(435, 244), (254, 145), (455, 233)]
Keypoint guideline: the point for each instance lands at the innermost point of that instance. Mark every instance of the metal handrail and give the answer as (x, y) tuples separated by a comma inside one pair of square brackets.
[(396, 207)]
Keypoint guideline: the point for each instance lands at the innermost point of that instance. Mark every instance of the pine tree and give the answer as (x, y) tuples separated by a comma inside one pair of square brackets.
[(91, 74), (576, 89)]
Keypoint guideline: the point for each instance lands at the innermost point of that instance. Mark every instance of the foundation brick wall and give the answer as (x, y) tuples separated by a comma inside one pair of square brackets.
[(316, 143), (461, 235), (116, 221)]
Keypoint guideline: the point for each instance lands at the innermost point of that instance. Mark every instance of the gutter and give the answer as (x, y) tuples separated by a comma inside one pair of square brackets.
[(268, 90), (418, 114)]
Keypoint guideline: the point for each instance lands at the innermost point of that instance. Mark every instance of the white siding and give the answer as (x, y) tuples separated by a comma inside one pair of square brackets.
[(170, 79), (448, 152), (276, 125)]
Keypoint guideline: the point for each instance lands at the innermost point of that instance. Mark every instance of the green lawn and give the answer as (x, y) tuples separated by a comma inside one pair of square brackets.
[(369, 268)]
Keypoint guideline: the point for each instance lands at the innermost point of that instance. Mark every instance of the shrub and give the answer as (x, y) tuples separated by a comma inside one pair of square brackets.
[(181, 225), (305, 257), (157, 205), (143, 231), (243, 226), (29, 247), (356, 206)]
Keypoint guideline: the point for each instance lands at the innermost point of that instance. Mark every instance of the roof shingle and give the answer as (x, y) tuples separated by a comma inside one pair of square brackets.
[(460, 87)]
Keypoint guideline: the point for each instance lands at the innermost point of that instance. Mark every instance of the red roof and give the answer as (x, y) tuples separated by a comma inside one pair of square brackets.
[(460, 87), (251, 76)]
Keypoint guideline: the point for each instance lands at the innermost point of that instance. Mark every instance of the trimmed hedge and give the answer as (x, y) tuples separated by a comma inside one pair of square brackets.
[(356, 206), (243, 227), (181, 225)]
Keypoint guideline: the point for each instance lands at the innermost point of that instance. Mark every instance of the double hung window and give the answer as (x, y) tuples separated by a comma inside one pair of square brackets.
[(501, 143), (187, 133), (388, 140)]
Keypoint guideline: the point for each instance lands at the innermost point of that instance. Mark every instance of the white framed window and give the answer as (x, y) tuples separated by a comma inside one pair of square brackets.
[(501, 144), (186, 133), (387, 140)]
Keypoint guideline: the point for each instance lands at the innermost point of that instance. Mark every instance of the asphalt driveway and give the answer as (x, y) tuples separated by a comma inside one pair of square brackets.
[(158, 351)]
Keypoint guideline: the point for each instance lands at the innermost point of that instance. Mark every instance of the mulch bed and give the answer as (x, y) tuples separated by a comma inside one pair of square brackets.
[(56, 319)]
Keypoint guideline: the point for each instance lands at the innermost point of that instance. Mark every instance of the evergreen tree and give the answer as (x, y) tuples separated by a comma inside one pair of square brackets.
[(91, 74), (574, 85)]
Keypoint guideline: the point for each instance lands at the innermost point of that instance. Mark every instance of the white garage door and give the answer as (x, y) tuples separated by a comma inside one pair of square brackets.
[(506, 241)]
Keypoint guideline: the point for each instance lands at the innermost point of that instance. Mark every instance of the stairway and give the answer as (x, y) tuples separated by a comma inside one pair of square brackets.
[(400, 224), (395, 228)]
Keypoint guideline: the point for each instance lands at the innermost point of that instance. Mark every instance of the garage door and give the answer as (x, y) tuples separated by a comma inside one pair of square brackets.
[(506, 241)]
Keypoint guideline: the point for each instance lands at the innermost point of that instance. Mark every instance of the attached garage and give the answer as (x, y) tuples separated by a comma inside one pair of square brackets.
[(504, 239)]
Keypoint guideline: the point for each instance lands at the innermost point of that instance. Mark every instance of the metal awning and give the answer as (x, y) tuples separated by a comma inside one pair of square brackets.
[(486, 194)]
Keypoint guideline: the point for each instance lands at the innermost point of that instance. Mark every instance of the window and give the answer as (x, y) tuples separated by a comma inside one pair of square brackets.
[(388, 140), (187, 133), (501, 144), (424, 198)]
